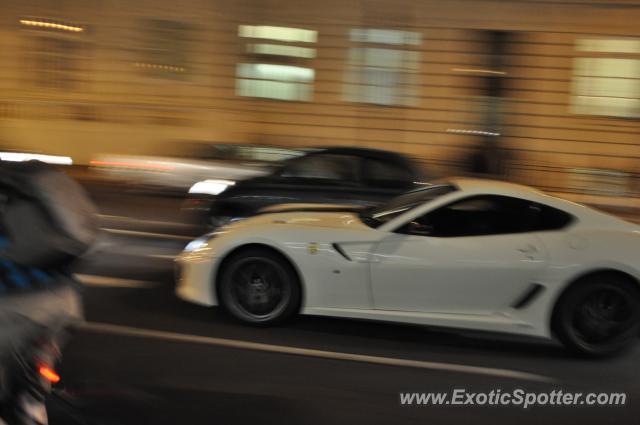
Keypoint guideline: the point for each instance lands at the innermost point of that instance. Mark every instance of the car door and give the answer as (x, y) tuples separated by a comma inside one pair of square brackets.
[(474, 256)]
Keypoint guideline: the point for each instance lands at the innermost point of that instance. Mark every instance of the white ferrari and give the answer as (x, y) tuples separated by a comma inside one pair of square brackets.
[(461, 253)]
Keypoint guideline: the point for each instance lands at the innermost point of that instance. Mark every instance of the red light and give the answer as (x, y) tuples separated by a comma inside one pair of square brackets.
[(49, 374)]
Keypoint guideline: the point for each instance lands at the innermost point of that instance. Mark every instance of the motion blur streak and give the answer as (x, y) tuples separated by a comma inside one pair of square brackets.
[(50, 159), (92, 280), (135, 165), (54, 25), (211, 187), (49, 374)]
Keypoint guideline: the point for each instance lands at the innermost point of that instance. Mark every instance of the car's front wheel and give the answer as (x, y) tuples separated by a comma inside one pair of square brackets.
[(259, 287), (599, 315)]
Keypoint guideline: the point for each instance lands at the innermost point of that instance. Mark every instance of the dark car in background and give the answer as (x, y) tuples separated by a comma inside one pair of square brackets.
[(336, 175)]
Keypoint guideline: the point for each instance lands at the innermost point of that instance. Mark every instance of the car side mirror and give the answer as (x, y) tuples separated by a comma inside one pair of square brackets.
[(415, 228)]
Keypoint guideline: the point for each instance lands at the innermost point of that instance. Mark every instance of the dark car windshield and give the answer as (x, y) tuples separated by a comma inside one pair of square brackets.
[(379, 215), (232, 152), (323, 166)]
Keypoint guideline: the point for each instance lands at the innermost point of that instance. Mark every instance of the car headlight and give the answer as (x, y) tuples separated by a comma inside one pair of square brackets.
[(210, 187), (199, 243)]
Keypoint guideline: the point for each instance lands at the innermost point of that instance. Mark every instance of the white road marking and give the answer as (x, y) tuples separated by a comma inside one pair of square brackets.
[(308, 352), (114, 282), (147, 234)]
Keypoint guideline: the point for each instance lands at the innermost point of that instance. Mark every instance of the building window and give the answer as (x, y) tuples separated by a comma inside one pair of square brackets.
[(383, 68), (53, 52), (284, 34), (55, 62), (165, 49), (270, 81), (278, 67), (606, 78)]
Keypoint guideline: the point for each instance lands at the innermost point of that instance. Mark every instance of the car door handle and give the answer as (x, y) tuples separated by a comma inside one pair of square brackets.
[(529, 249)]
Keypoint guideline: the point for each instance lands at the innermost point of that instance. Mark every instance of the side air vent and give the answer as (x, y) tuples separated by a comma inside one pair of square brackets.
[(528, 296), (340, 251)]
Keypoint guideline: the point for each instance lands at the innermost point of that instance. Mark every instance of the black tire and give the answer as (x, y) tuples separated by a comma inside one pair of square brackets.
[(259, 286), (599, 315)]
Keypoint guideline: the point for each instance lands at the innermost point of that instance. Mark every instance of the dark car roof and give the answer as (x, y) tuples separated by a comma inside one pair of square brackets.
[(372, 153), (364, 152)]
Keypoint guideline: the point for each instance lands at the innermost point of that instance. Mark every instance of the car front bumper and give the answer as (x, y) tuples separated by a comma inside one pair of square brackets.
[(195, 279)]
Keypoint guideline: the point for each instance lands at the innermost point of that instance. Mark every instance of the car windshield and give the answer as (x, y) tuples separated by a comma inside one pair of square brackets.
[(248, 153), (323, 166), (376, 216)]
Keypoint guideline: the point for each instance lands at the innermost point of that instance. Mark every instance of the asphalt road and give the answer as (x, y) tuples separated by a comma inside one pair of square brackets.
[(147, 357)]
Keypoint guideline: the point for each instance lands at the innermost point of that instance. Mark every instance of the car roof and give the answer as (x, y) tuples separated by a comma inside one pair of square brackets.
[(478, 185), (496, 187), (364, 152)]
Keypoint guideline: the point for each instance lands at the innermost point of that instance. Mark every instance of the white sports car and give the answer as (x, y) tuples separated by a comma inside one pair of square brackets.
[(461, 253)]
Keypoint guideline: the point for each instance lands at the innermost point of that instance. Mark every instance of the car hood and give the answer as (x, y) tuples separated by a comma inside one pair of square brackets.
[(307, 207), (310, 219)]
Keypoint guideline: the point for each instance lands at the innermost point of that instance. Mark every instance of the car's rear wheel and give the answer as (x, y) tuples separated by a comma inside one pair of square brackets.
[(599, 315), (259, 286)]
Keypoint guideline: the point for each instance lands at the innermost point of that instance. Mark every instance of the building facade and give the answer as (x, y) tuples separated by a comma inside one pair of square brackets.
[(553, 86)]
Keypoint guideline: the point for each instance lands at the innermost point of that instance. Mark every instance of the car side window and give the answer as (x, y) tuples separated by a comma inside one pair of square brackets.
[(323, 166), (488, 215), (548, 218), (378, 173)]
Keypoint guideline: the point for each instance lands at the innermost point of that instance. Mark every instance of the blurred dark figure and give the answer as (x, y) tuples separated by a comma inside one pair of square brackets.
[(46, 222), (489, 161), (490, 158), (477, 163)]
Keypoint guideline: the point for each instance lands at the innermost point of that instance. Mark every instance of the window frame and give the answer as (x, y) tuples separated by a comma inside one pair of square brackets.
[(260, 74), (583, 51), (160, 60), (247, 79), (359, 74), (57, 57)]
